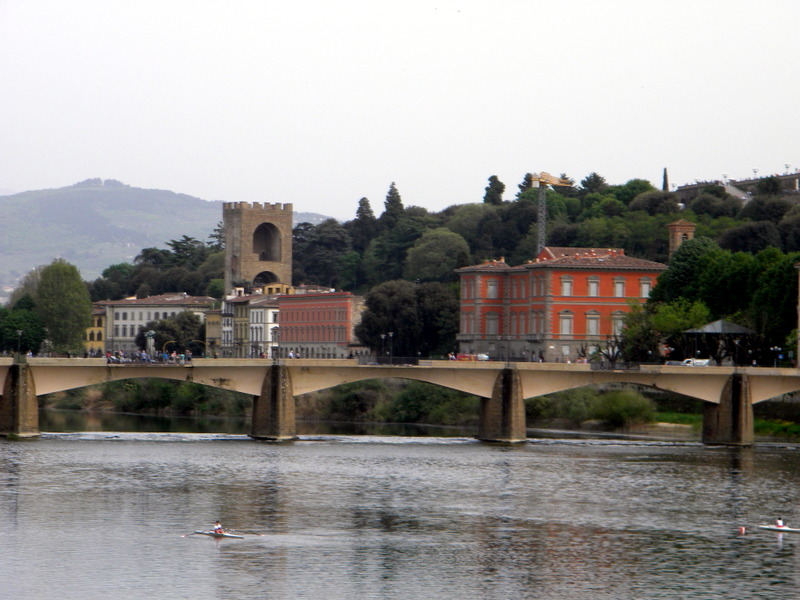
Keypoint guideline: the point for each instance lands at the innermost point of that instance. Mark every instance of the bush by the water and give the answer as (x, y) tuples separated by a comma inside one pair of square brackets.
[(396, 401), (160, 396), (622, 409), (425, 403), (615, 409)]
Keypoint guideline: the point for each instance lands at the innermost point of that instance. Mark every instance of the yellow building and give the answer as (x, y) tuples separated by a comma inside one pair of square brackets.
[(94, 340)]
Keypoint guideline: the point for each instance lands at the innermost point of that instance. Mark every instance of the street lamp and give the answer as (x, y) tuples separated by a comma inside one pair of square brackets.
[(19, 341), (391, 352), (776, 350)]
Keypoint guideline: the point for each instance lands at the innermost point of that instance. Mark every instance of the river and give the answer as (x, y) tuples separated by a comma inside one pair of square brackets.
[(105, 514)]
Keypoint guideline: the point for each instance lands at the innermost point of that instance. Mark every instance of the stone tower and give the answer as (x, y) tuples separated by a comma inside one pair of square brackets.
[(258, 243), (680, 231)]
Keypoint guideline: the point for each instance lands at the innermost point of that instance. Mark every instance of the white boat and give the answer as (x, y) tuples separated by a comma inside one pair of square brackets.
[(216, 534), (780, 528)]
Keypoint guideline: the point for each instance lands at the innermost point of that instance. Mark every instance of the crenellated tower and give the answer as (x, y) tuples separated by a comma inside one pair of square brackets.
[(258, 243)]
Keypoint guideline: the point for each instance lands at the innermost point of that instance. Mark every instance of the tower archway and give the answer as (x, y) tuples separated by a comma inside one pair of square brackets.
[(267, 242)]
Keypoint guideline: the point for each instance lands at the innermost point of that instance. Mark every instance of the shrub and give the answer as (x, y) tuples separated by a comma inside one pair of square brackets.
[(622, 409)]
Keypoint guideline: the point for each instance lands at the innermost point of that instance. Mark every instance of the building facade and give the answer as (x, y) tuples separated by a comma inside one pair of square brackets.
[(95, 339), (563, 306), (315, 325), (124, 318)]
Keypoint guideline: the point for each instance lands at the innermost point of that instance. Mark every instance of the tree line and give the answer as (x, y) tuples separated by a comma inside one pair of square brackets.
[(404, 259)]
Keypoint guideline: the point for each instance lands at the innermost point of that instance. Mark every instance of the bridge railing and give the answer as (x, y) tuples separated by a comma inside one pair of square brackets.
[(388, 360)]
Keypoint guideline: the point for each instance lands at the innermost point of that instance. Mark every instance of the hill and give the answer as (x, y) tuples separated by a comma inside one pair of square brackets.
[(97, 223)]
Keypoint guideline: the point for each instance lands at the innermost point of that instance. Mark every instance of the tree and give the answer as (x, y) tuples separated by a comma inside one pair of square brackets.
[(527, 184), (766, 209), (319, 256), (182, 332), (435, 256), (393, 208), (633, 188), (187, 252), (751, 237), (682, 278), (494, 191), (63, 304), (593, 183), (391, 307), (28, 285), (423, 319), (154, 257), (21, 329), (655, 202), (364, 228), (216, 240)]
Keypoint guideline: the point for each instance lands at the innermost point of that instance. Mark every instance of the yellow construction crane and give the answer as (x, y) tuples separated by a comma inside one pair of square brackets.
[(541, 181)]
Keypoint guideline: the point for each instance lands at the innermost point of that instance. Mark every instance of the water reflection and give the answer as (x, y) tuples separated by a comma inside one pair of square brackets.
[(59, 421)]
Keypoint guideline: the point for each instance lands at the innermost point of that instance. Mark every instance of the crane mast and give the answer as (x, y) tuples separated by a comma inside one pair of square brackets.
[(541, 181)]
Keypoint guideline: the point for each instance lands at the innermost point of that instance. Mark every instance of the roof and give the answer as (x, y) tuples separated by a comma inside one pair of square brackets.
[(582, 258), (550, 252), (175, 299), (489, 265), (721, 327), (599, 261)]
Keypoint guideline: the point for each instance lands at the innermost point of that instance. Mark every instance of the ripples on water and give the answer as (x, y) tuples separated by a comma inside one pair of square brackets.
[(102, 514)]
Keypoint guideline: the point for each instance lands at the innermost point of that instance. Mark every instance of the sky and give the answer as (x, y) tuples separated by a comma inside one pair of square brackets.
[(322, 103)]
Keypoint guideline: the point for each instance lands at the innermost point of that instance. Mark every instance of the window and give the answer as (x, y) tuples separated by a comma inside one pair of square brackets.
[(566, 286), (593, 324), (565, 323), (491, 324), (594, 286), (491, 288), (645, 286), (619, 288), (617, 322)]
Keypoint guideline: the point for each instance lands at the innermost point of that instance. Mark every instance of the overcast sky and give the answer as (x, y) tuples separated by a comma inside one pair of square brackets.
[(320, 103)]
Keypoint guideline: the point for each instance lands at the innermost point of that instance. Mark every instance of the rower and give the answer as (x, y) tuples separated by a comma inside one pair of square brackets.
[(217, 528), (779, 522)]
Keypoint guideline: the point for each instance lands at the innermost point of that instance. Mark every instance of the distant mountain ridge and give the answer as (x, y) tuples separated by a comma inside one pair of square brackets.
[(97, 223)]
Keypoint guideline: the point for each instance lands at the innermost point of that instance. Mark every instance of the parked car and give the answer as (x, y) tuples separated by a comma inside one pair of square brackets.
[(696, 362)]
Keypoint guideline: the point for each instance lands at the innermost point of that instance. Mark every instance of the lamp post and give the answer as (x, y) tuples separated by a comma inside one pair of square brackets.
[(383, 339), (776, 350), (391, 352), (19, 341)]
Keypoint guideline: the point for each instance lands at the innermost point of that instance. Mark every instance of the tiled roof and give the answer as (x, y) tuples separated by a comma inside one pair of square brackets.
[(489, 265), (176, 299), (593, 258), (588, 258)]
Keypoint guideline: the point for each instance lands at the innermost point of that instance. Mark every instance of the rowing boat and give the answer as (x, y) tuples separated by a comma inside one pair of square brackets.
[(782, 529), (216, 534)]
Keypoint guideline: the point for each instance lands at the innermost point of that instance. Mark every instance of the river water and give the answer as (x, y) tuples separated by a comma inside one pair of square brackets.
[(99, 514)]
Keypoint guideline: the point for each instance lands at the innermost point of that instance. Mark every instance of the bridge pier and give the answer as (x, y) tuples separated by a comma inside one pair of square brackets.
[(502, 417), (731, 421), (274, 409), (19, 408)]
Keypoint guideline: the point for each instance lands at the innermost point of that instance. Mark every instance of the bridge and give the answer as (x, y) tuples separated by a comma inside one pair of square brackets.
[(729, 393)]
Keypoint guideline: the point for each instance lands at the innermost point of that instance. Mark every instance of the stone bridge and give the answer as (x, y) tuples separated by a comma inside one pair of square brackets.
[(729, 393)]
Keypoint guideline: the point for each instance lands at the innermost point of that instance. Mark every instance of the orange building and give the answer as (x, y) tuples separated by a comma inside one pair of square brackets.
[(563, 306), (319, 325)]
